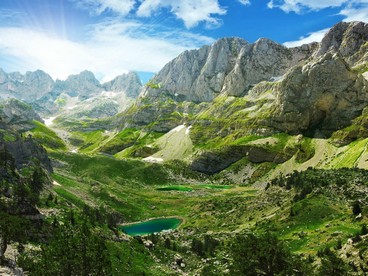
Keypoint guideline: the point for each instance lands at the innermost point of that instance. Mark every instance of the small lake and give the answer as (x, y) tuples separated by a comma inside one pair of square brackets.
[(151, 226)]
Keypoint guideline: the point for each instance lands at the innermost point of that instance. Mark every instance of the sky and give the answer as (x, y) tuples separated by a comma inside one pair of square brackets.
[(112, 37)]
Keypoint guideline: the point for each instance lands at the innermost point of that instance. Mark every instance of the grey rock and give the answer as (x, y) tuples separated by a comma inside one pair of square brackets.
[(230, 66), (349, 39), (18, 114), (324, 94), (29, 87), (84, 85), (129, 83)]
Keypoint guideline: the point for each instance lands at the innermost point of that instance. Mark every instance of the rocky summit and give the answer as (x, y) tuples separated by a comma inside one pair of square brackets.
[(318, 86), (230, 66)]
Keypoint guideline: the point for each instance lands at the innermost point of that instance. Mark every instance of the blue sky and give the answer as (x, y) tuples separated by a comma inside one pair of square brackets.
[(110, 37)]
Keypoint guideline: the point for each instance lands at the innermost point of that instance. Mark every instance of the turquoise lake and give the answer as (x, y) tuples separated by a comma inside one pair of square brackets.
[(151, 226)]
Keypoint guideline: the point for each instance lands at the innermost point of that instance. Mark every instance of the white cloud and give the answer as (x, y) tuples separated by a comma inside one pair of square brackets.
[(311, 37), (191, 12), (244, 2), (111, 49), (122, 7), (356, 14), (299, 6)]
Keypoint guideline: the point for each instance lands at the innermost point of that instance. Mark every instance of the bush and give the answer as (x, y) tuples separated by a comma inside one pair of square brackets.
[(73, 249), (331, 264), (264, 255)]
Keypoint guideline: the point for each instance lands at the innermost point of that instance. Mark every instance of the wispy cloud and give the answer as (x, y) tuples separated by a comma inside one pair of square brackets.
[(111, 48), (311, 37), (97, 7), (356, 11), (244, 2), (299, 6), (190, 12)]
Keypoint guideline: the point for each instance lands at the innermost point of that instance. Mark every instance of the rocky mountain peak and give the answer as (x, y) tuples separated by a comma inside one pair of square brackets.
[(128, 83), (39, 79), (350, 39), (29, 87), (83, 85), (230, 66)]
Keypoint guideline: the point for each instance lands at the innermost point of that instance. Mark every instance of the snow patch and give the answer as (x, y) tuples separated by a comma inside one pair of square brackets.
[(49, 121), (187, 131), (71, 107), (365, 75), (109, 94), (276, 79), (178, 128), (55, 183), (152, 159), (74, 151)]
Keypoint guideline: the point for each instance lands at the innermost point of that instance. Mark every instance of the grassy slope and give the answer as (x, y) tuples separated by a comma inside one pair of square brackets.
[(47, 137), (130, 187), (321, 219)]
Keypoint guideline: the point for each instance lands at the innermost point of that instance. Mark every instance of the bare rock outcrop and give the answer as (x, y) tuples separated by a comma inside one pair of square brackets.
[(230, 66), (349, 39), (324, 94)]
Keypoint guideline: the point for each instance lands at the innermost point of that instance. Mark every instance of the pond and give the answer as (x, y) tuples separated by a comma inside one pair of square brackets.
[(175, 188), (182, 188), (151, 226)]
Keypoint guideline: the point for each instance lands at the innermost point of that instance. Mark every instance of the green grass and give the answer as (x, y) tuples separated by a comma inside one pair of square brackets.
[(47, 137), (7, 136), (245, 140), (350, 156), (306, 150), (89, 142), (137, 191), (69, 196), (120, 141), (109, 170)]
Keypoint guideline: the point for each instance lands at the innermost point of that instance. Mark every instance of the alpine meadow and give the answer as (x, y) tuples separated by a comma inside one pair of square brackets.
[(234, 158)]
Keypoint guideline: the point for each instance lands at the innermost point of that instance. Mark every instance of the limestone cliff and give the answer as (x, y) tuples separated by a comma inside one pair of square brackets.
[(314, 87), (230, 66), (324, 94)]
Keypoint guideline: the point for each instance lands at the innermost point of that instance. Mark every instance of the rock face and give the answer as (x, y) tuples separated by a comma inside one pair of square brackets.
[(128, 83), (317, 86), (349, 39), (324, 94), (231, 66), (18, 114), (83, 85)]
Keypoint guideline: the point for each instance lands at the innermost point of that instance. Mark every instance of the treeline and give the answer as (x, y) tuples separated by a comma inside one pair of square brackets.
[(305, 182), (71, 246), (265, 254)]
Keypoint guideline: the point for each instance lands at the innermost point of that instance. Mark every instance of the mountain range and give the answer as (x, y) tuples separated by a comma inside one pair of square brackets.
[(232, 138)]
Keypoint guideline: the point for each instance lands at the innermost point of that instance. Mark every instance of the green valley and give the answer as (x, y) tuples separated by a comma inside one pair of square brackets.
[(235, 159)]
